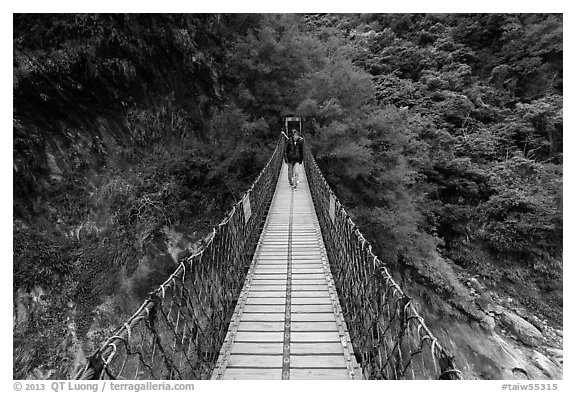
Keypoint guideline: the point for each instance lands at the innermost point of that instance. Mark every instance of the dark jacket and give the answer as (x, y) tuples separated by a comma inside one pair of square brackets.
[(294, 150)]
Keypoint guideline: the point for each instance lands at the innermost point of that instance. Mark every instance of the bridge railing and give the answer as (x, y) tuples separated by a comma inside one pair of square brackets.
[(390, 338), (178, 331)]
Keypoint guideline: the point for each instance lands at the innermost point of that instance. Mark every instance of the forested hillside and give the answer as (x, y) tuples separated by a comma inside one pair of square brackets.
[(134, 134), (462, 149)]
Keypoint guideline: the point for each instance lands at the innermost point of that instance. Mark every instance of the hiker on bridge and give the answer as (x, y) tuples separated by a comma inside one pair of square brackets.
[(293, 157)]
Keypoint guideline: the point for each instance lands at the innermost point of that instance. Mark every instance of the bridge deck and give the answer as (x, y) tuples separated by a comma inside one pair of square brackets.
[(288, 322)]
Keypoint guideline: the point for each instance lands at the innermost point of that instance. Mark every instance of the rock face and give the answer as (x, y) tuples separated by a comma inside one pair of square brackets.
[(489, 355), (524, 330)]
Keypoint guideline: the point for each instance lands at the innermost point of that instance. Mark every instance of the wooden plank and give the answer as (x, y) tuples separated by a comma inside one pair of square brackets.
[(299, 242), (310, 259), (275, 244), (304, 317), (261, 326), (260, 308), (259, 336), (268, 301), (266, 270), (308, 276), (252, 374), (331, 348), (271, 269), (317, 361), (258, 279), (310, 294), (317, 281), (312, 326), (312, 301), (271, 277), (249, 317), (260, 361), (310, 290), (315, 336), (308, 270), (267, 294), (307, 261), (271, 348), (268, 287), (311, 373), (309, 244), (272, 258), (272, 262), (323, 308), (269, 281)]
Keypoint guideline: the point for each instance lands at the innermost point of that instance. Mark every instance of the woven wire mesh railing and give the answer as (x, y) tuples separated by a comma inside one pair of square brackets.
[(390, 339), (178, 331)]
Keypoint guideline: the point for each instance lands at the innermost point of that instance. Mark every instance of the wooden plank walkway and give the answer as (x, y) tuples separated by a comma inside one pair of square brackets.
[(288, 322)]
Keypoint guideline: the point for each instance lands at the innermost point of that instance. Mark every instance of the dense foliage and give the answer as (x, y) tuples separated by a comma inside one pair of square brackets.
[(133, 134), (459, 148)]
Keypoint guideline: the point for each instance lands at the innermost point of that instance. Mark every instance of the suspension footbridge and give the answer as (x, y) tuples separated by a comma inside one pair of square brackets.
[(285, 288), (288, 322)]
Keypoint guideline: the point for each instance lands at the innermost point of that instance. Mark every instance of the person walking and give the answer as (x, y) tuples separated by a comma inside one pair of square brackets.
[(293, 156)]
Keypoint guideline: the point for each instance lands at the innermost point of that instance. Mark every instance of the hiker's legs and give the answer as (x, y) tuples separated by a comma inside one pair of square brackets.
[(295, 177), (290, 172)]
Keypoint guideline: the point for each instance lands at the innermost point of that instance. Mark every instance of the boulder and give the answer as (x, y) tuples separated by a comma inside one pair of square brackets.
[(543, 363), (494, 309), (524, 330), (475, 284), (488, 323), (556, 354)]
